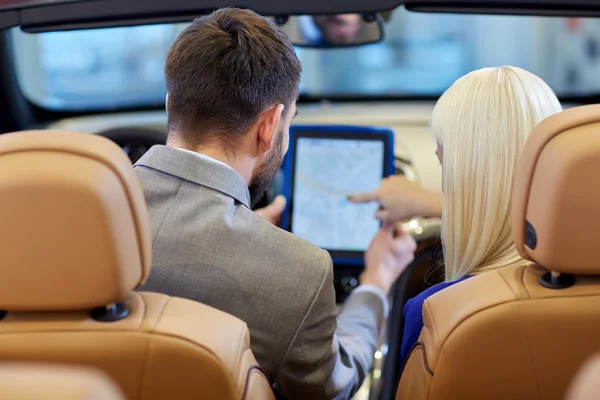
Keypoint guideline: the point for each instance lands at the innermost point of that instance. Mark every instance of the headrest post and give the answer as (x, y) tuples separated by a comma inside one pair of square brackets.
[(110, 313), (557, 280)]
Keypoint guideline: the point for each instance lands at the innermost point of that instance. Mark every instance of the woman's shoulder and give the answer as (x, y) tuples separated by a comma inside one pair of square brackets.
[(419, 299)]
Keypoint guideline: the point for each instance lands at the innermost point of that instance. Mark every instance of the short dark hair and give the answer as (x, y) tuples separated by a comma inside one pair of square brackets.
[(223, 71)]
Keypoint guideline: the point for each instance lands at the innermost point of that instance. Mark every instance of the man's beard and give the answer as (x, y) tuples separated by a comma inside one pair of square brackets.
[(264, 174)]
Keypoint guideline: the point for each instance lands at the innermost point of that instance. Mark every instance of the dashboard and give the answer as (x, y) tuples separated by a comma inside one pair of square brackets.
[(414, 148), (414, 142)]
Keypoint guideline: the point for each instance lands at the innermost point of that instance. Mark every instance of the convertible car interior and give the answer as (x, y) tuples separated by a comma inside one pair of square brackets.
[(82, 87)]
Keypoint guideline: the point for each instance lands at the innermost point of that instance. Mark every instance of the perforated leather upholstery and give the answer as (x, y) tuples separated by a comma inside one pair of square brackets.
[(502, 334), (55, 382), (74, 237)]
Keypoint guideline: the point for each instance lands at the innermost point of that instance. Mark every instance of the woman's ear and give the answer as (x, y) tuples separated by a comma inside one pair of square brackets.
[(440, 152)]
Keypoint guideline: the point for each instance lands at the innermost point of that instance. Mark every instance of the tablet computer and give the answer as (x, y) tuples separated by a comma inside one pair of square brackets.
[(323, 166)]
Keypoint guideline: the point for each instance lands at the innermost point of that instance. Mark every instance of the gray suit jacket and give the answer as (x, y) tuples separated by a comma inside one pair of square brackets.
[(210, 247)]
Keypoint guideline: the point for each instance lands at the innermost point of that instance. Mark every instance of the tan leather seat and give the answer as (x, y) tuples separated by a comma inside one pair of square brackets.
[(55, 382), (75, 243), (522, 332), (586, 385)]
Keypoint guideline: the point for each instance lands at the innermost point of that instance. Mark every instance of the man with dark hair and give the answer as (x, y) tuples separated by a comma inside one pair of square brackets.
[(233, 79)]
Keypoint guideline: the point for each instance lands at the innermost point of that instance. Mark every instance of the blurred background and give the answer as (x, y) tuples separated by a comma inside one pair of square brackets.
[(421, 56)]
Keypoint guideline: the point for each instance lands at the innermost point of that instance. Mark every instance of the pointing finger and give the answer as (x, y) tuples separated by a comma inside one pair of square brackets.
[(382, 215), (363, 197)]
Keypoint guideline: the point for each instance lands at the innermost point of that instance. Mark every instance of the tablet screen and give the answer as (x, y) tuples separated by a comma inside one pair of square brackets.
[(326, 172)]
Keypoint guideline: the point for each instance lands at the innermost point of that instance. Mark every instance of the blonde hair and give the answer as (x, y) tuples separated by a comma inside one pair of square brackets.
[(482, 123)]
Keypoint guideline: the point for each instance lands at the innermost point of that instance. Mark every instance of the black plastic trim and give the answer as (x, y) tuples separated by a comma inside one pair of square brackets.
[(123, 12), (117, 312), (565, 8), (530, 236), (524, 11), (9, 19), (561, 281), (8, 5), (67, 26), (15, 111)]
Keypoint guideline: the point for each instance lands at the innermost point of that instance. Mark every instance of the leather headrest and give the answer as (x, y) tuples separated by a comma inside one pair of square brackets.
[(556, 195), (74, 228)]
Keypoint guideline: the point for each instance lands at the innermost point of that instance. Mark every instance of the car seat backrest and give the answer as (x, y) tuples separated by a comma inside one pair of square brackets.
[(75, 242)]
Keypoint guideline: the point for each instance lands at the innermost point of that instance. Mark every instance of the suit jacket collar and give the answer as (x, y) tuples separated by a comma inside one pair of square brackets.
[(194, 169)]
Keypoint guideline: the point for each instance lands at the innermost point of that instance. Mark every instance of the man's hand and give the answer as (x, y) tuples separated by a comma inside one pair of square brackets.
[(401, 199), (390, 252), (273, 211)]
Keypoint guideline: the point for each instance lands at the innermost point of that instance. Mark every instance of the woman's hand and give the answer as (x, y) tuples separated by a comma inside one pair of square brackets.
[(401, 199), (273, 211), (388, 255)]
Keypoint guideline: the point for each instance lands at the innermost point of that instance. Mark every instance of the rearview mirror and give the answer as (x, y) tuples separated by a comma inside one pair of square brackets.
[(326, 31)]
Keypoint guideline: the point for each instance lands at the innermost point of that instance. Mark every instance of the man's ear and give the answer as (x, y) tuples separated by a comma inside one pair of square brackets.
[(167, 103), (267, 125)]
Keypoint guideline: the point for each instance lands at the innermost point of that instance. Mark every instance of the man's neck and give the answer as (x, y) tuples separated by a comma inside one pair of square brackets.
[(216, 154)]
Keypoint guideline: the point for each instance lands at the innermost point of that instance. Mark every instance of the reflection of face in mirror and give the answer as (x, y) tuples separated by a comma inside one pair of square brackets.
[(339, 29), (326, 31)]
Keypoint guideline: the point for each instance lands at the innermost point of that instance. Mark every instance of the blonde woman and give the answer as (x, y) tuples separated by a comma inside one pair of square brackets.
[(481, 124)]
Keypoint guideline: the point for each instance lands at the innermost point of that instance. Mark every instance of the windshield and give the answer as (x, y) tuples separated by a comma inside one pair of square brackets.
[(422, 55)]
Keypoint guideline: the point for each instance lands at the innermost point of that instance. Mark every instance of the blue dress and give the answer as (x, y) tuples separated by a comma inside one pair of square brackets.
[(413, 317)]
